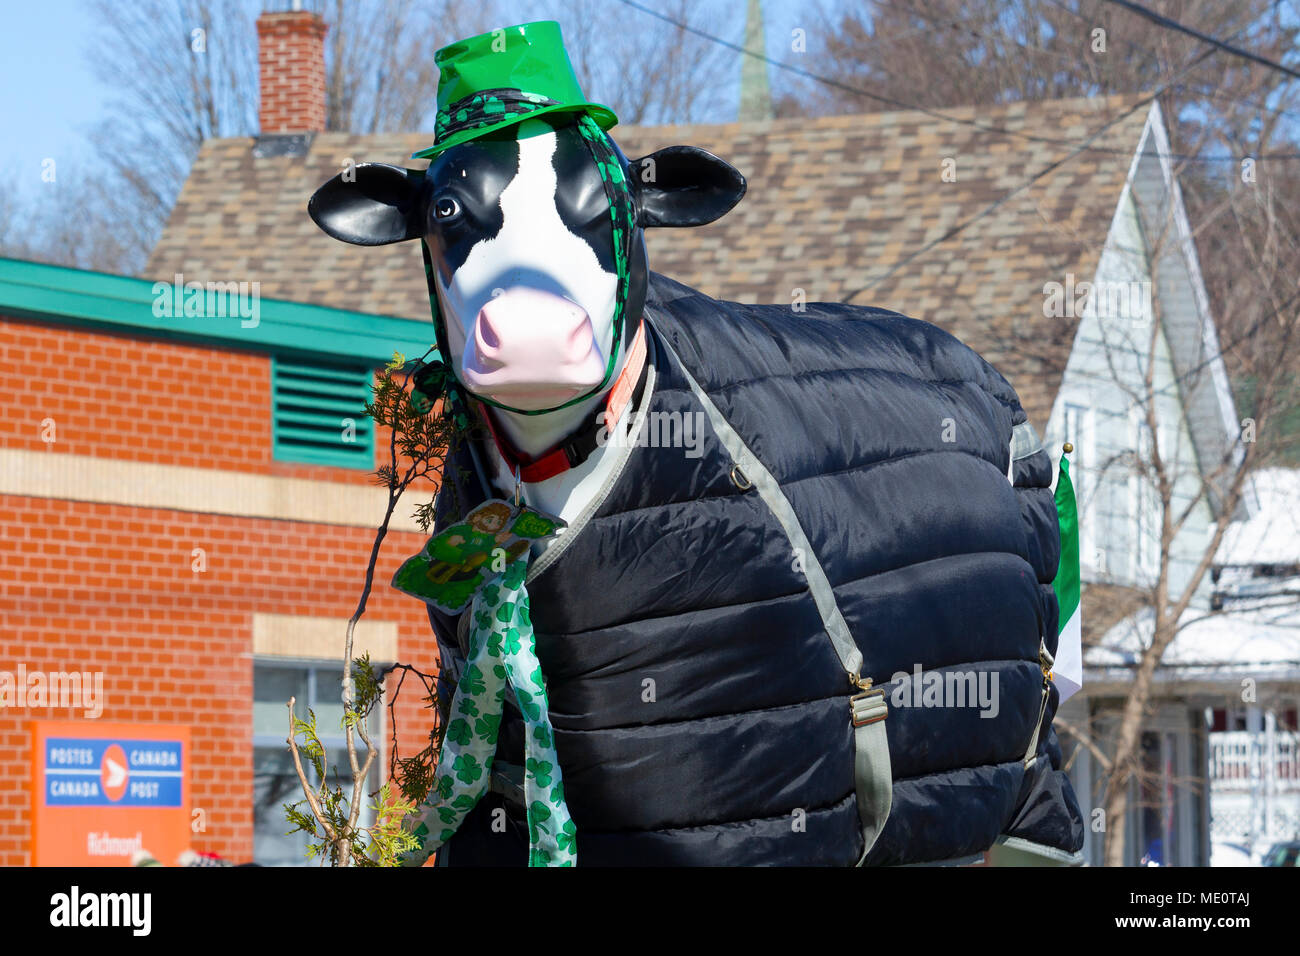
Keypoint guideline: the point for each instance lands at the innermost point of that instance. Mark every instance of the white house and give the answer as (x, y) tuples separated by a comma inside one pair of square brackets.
[(1150, 314), (1239, 657)]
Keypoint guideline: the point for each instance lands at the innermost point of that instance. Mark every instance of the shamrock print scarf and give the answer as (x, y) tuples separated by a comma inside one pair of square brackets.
[(502, 653)]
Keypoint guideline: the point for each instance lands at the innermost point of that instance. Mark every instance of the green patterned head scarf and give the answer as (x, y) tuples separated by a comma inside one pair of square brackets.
[(502, 659), (619, 196), (501, 78)]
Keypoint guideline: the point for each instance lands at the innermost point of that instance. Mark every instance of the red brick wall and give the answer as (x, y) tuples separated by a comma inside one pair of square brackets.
[(291, 69), (110, 587), (148, 401)]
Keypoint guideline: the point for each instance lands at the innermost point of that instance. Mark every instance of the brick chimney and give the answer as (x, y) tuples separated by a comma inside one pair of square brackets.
[(291, 70)]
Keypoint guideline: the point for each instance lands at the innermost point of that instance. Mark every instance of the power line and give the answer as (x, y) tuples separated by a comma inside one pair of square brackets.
[(1000, 201), (844, 87), (997, 203), (938, 114), (1241, 101), (1293, 299), (966, 27), (1131, 44), (1086, 145), (1078, 148), (1164, 21), (1218, 44)]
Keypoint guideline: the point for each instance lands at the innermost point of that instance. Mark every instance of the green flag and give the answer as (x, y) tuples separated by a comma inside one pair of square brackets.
[(1068, 669)]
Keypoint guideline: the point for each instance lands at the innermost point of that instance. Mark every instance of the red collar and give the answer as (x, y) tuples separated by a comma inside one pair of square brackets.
[(578, 447)]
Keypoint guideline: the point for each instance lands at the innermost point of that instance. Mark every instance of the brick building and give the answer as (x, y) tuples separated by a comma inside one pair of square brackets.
[(186, 507)]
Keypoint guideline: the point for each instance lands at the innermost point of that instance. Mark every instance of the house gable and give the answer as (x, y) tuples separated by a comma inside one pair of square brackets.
[(1202, 375), (1100, 406)]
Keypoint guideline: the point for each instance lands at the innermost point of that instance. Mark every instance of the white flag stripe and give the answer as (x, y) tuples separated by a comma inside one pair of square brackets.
[(1067, 672)]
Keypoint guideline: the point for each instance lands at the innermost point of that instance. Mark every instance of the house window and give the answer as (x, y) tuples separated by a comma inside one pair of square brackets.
[(1144, 504), (315, 687), (318, 414)]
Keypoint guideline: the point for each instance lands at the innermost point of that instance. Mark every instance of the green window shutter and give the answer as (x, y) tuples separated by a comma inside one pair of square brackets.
[(318, 414)]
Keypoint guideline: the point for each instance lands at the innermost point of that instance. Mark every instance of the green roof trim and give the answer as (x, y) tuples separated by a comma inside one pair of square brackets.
[(222, 312)]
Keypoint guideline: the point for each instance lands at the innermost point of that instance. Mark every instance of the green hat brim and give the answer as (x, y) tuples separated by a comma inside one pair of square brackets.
[(603, 116)]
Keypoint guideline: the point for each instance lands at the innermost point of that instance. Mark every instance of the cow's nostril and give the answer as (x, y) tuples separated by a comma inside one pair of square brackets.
[(487, 341), (488, 338)]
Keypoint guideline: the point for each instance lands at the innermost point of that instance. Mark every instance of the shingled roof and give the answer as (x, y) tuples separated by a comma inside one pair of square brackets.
[(841, 207)]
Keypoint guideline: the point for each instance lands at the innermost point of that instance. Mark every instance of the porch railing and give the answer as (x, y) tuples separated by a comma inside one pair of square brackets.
[(1241, 760)]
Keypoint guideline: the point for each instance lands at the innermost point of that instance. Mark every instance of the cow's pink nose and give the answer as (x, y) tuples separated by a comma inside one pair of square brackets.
[(532, 348), (512, 325)]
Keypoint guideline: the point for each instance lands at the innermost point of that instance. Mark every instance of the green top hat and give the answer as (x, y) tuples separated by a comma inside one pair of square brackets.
[(501, 78)]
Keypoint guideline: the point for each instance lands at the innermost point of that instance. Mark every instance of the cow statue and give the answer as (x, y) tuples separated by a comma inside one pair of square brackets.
[(783, 526)]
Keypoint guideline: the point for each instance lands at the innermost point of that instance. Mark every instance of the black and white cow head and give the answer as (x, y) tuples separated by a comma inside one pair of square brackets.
[(518, 225)]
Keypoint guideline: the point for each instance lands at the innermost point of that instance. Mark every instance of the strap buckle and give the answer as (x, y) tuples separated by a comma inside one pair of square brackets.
[(868, 705), (574, 452), (1046, 662)]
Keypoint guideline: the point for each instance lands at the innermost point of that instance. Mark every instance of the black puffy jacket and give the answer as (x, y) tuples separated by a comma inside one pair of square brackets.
[(701, 711)]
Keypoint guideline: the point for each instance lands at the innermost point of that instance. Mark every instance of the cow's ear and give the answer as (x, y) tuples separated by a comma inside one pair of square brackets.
[(370, 204), (683, 186)]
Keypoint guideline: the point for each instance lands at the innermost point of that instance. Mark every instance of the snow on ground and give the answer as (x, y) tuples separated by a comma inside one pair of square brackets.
[(1258, 632), (1230, 854), (1273, 535), (1261, 642)]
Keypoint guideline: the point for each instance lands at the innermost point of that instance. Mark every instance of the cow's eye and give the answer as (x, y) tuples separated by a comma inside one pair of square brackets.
[(446, 208)]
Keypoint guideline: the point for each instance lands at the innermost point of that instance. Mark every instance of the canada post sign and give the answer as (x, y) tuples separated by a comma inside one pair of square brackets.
[(81, 772), (101, 791)]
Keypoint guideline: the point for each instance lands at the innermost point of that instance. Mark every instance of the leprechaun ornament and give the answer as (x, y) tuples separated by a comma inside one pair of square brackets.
[(480, 564), (502, 660)]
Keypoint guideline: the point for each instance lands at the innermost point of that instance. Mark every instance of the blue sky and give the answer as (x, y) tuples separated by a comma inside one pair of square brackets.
[(48, 95)]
